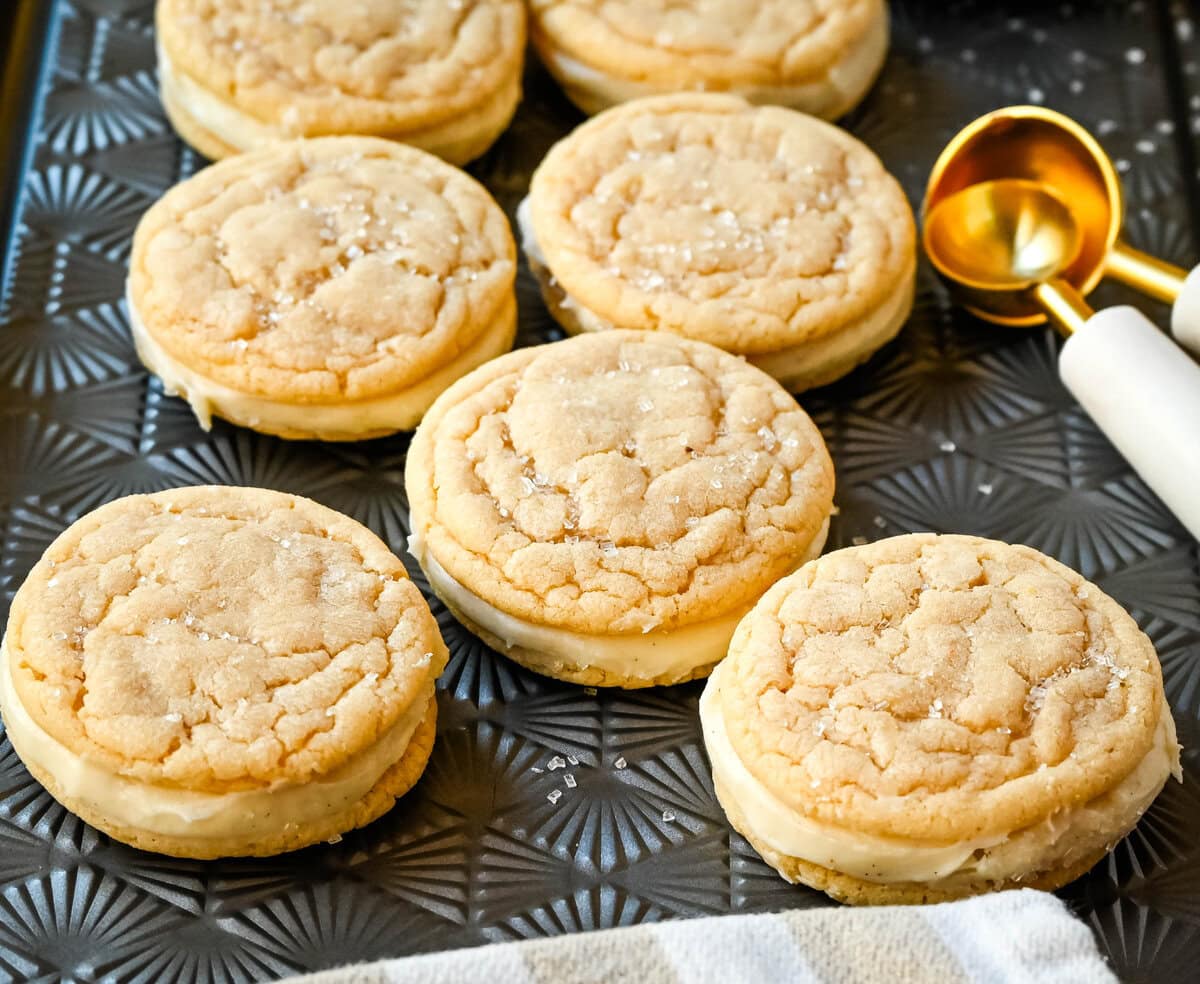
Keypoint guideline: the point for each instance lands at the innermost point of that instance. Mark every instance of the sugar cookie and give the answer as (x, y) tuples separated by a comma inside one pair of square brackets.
[(760, 230), (818, 56), (220, 671), (325, 288), (236, 75), (605, 509), (929, 717)]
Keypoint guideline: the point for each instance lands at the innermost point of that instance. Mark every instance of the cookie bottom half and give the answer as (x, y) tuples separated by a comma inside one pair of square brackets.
[(351, 421), (379, 799), (831, 95), (651, 659), (858, 891), (193, 111), (585, 676)]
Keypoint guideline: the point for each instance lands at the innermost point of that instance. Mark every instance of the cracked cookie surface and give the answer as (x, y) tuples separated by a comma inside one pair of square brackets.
[(718, 43), (939, 688), (323, 271), (753, 228), (620, 482), (327, 66), (220, 639)]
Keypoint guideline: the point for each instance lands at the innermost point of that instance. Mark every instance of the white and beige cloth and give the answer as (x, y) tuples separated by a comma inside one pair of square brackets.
[(1006, 938)]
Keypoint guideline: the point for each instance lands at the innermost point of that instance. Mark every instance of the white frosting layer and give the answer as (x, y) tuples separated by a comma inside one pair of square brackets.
[(1056, 842), (647, 656), (251, 814), (349, 421), (457, 140), (797, 367), (829, 96), (824, 359)]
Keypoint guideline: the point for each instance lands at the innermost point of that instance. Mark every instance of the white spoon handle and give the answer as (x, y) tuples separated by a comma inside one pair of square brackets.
[(1185, 316), (1143, 391)]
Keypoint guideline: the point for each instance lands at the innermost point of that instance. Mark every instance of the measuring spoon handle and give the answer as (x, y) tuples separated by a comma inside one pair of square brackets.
[(1185, 316), (1143, 392)]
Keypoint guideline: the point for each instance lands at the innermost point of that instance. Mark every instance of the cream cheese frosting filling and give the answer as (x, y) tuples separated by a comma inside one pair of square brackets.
[(651, 654), (883, 859), (174, 812), (829, 95), (457, 140), (353, 421), (806, 364)]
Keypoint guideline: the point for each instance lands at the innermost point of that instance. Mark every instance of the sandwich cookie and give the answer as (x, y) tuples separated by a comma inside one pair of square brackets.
[(236, 75), (215, 671), (605, 509), (325, 288), (930, 717), (818, 56), (760, 230)]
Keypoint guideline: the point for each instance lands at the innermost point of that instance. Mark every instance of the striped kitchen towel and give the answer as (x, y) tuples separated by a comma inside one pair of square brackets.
[(1006, 938)]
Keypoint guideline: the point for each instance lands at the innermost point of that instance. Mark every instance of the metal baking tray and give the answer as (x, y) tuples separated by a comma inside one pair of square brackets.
[(957, 426)]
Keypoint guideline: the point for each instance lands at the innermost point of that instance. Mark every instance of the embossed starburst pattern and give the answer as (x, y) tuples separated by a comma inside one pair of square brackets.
[(549, 808)]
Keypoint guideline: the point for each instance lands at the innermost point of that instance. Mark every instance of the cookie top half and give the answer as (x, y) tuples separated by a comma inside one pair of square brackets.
[(217, 639), (939, 688), (751, 228), (328, 270), (618, 482), (719, 43), (331, 66)]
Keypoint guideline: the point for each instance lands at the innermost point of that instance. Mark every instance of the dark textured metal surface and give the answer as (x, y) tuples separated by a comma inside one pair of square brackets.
[(955, 427)]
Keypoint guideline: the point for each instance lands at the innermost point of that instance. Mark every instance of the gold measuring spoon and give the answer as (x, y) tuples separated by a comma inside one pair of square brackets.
[(1038, 144), (1010, 251)]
